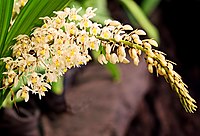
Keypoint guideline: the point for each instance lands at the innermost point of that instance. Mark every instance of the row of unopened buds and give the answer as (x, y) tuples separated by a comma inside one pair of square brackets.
[(63, 42)]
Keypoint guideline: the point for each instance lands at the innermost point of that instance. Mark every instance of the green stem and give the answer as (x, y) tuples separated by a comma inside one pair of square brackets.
[(141, 18), (137, 46)]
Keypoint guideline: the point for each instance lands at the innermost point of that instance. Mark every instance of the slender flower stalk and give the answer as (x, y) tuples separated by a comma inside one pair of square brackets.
[(63, 42)]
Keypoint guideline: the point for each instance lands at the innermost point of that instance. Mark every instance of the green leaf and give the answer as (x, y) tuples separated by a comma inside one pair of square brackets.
[(141, 18), (114, 69), (6, 7), (149, 5), (3, 95), (57, 87), (29, 18)]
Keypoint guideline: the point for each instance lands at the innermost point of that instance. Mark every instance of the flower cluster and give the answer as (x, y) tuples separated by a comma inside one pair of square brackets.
[(63, 42)]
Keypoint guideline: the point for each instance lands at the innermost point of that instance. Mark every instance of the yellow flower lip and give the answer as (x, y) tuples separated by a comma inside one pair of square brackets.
[(34, 80)]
